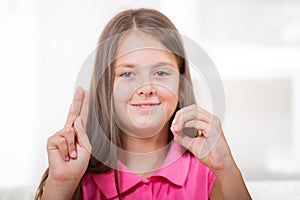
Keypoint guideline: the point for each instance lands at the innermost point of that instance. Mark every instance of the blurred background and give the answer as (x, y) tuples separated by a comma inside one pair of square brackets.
[(255, 45)]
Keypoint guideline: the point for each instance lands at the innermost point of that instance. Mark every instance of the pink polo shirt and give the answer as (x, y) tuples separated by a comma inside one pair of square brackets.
[(185, 178)]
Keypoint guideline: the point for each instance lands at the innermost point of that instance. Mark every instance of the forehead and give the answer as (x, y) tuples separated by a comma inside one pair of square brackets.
[(135, 40), (141, 46)]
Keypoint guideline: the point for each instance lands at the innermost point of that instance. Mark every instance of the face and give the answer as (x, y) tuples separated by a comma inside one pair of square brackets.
[(146, 83)]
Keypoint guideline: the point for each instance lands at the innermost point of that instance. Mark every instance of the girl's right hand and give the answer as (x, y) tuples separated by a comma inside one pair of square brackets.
[(69, 149)]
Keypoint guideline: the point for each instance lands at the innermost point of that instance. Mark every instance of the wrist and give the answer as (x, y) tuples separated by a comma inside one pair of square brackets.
[(55, 189), (229, 169), (231, 184)]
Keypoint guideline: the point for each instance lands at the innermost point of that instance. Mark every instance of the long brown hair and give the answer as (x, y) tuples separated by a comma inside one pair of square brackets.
[(104, 155)]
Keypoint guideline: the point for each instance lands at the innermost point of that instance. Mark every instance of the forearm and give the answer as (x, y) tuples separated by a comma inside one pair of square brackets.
[(59, 190), (231, 184)]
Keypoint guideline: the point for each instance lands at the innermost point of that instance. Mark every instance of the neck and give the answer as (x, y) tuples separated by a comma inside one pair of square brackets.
[(145, 155), (145, 145)]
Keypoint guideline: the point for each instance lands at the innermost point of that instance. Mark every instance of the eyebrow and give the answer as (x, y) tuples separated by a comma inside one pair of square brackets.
[(130, 65)]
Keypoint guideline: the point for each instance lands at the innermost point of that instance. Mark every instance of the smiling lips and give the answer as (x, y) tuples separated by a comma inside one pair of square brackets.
[(145, 106)]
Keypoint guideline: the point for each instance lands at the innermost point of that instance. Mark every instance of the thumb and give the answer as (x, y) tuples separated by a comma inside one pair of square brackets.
[(82, 137)]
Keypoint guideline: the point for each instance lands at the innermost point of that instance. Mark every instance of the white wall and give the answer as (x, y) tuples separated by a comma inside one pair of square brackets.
[(44, 43)]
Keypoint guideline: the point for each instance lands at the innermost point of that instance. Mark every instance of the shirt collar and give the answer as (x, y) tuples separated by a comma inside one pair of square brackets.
[(175, 169), (176, 165)]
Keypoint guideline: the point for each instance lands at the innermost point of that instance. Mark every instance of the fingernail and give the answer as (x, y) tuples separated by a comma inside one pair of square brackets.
[(67, 158), (73, 154), (174, 127)]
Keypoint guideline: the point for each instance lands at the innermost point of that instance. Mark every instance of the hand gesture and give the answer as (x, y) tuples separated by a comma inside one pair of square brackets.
[(210, 146), (69, 149)]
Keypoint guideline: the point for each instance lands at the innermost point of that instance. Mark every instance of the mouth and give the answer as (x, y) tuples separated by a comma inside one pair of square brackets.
[(145, 106)]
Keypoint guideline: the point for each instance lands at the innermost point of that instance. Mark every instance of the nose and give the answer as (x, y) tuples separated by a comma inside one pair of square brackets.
[(146, 90)]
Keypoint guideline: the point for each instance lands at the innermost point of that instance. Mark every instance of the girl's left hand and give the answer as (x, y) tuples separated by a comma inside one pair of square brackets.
[(210, 147)]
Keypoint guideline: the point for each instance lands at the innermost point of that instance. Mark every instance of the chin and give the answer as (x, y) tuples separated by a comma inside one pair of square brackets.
[(145, 131)]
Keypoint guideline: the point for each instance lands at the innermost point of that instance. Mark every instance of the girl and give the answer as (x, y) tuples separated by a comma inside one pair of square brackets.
[(127, 138)]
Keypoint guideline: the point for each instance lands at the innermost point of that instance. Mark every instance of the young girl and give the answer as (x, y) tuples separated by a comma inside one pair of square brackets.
[(127, 138)]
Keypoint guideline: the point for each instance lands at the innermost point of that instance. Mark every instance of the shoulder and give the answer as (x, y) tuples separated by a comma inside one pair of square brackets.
[(88, 181), (197, 167), (181, 160), (199, 174), (90, 188)]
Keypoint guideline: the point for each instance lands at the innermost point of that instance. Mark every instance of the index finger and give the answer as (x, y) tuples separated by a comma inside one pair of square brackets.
[(189, 113), (75, 107)]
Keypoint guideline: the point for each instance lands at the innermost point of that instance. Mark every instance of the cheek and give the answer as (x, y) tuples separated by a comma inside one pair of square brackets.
[(169, 93), (120, 97), (121, 92), (170, 89)]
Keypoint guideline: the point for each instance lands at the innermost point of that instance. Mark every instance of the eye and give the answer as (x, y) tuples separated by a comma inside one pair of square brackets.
[(161, 74), (127, 74)]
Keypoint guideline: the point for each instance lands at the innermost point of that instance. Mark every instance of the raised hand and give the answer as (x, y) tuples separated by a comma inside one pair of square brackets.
[(69, 149), (210, 147)]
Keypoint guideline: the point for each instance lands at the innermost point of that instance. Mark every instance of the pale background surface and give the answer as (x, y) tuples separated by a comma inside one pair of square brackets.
[(254, 44)]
